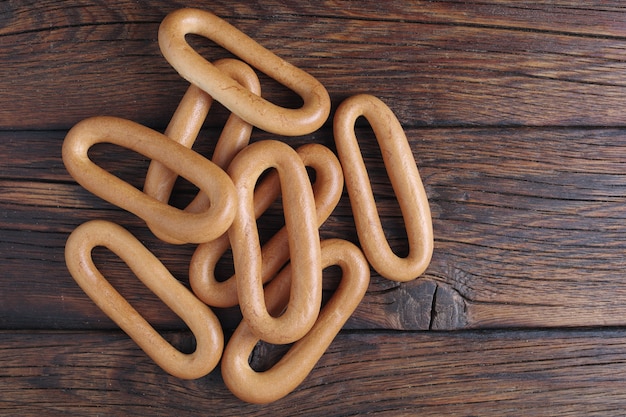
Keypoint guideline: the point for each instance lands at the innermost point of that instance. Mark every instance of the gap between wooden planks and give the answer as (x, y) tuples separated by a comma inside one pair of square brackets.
[(530, 373), (528, 221), (528, 225)]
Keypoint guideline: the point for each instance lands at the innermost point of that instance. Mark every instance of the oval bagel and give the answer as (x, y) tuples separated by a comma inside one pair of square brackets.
[(249, 106), (303, 238), (201, 320), (179, 225), (405, 180)]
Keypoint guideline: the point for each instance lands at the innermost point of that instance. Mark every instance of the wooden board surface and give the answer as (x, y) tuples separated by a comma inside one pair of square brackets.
[(533, 373), (528, 228), (514, 112), (435, 63)]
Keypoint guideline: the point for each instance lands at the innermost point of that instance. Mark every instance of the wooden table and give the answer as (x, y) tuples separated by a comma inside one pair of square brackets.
[(516, 117)]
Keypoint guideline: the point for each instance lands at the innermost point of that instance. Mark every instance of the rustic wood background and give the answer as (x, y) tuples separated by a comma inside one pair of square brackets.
[(515, 113)]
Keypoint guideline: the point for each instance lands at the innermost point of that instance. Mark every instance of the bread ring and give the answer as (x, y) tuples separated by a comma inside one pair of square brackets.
[(179, 225), (239, 100), (303, 239), (201, 320), (405, 180)]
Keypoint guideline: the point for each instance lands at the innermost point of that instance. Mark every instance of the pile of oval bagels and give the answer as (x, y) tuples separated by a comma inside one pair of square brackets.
[(278, 286)]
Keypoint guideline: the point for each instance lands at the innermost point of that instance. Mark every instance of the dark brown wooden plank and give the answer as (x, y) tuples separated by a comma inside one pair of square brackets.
[(596, 18), (439, 63), (528, 224), (556, 200), (599, 18), (531, 373)]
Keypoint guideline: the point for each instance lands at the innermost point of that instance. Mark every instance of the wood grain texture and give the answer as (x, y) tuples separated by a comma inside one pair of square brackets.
[(514, 111), (533, 373), (528, 227), (493, 64)]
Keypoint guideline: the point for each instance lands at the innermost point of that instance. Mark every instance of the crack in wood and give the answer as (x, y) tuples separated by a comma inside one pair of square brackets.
[(449, 309), (427, 304), (433, 308)]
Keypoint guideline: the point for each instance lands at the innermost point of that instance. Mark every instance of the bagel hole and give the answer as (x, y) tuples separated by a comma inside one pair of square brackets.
[(164, 321), (225, 268), (184, 341), (120, 162), (182, 193), (133, 290), (312, 174), (278, 94), (265, 355), (272, 219), (386, 201), (330, 281)]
